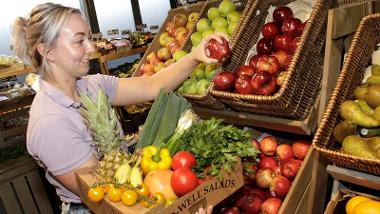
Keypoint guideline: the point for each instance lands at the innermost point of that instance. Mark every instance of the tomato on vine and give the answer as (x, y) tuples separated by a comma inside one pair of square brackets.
[(129, 197), (114, 194), (96, 194), (107, 187), (143, 190), (159, 198)]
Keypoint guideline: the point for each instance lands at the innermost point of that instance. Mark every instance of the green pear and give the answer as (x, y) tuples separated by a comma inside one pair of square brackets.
[(373, 142), (190, 86), (202, 86), (373, 95), (199, 72), (360, 92), (375, 70), (210, 71), (355, 145), (343, 129), (365, 107), (373, 80), (351, 111), (212, 13), (225, 7)]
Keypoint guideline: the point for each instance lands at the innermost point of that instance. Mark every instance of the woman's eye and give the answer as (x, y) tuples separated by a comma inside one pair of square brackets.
[(80, 42)]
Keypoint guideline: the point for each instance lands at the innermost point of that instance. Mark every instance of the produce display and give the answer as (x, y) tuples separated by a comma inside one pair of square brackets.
[(176, 152), (266, 67), (224, 19), (171, 42), (358, 132), (268, 179)]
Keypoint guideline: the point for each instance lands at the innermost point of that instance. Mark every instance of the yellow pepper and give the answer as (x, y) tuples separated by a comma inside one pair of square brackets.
[(155, 158)]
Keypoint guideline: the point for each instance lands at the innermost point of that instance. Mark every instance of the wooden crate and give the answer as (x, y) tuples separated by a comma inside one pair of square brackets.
[(155, 45), (21, 188)]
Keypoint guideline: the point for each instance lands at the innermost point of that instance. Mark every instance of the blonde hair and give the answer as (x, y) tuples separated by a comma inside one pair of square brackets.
[(43, 25)]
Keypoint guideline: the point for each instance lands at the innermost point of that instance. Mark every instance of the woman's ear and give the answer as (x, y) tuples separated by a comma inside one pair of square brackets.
[(41, 50)]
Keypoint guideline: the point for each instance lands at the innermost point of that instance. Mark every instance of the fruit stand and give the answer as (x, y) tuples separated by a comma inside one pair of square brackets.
[(286, 122)]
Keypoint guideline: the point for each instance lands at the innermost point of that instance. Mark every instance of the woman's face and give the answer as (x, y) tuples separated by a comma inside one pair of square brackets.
[(72, 51)]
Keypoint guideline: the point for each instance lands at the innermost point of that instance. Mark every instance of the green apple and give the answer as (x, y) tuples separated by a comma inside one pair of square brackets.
[(231, 28), (219, 22), (225, 7), (203, 25), (190, 86), (222, 29), (199, 72), (196, 38), (163, 39), (210, 71), (180, 89), (233, 16), (202, 86), (212, 13), (207, 33), (179, 54)]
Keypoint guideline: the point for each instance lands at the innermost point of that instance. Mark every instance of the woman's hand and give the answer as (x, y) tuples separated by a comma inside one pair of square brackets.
[(199, 53), (203, 211)]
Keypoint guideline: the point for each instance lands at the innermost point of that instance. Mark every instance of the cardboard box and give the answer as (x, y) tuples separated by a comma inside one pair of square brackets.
[(339, 200), (209, 193)]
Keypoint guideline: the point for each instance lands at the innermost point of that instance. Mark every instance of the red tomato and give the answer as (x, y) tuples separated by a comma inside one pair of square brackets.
[(183, 159), (183, 181)]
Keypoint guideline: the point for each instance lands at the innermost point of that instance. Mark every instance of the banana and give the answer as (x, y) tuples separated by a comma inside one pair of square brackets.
[(123, 173), (136, 177)]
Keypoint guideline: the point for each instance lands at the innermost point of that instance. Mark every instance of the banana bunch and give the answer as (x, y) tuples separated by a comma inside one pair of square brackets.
[(130, 172)]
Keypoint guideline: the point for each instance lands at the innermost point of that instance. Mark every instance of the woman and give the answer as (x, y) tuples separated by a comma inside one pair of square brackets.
[(54, 39)]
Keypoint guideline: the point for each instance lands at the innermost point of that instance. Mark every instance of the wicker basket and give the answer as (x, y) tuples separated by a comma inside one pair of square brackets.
[(357, 59), (155, 45), (297, 95), (206, 100)]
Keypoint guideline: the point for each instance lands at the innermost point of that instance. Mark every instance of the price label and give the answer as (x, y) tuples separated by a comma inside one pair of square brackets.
[(154, 27)]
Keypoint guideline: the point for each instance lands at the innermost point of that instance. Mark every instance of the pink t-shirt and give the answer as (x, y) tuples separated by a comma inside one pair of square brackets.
[(57, 136)]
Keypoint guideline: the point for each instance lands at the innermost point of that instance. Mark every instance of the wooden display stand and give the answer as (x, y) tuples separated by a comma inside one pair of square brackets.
[(21, 188)]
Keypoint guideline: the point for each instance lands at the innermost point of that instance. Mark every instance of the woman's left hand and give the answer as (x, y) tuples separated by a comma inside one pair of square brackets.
[(199, 52)]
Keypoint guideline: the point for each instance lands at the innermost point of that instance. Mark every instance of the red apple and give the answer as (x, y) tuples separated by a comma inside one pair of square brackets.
[(291, 26), (290, 168), (282, 13), (257, 192), (271, 30), (264, 83), (280, 186), (216, 50), (300, 148), (146, 68), (282, 42), (264, 46), (172, 44), (180, 31), (251, 204), (153, 59), (243, 84), (169, 26), (164, 54), (269, 64), (264, 177), (268, 145), (268, 162), (277, 170), (302, 28), (231, 210), (255, 144), (271, 206), (224, 81), (244, 69), (180, 20), (281, 56), (287, 63), (253, 60), (284, 153), (293, 45)]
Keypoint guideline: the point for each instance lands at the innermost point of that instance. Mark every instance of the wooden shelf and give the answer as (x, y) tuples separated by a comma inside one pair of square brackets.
[(354, 177), (15, 70), (305, 127)]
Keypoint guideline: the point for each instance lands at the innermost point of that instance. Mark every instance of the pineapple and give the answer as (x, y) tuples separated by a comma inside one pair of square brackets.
[(101, 121)]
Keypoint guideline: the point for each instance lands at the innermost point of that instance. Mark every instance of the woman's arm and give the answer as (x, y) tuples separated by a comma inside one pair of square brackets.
[(141, 89)]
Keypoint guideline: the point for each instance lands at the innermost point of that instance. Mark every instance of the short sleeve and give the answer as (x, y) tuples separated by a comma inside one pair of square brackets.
[(58, 144), (107, 82)]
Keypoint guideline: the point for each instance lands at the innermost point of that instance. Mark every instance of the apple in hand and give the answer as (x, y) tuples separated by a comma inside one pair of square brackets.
[(264, 46), (244, 69), (271, 30), (243, 84), (218, 51), (282, 13), (268, 145), (282, 42), (224, 81), (291, 26), (193, 17), (284, 153), (269, 64), (180, 20), (263, 83)]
